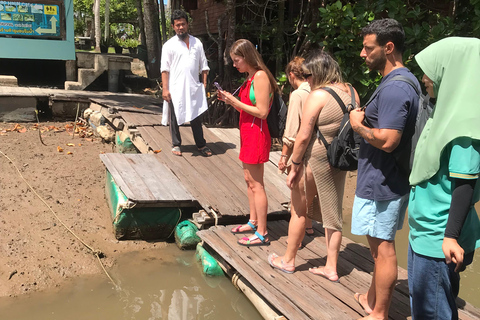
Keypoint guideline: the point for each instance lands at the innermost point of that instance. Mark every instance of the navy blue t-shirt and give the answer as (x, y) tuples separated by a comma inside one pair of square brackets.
[(394, 107)]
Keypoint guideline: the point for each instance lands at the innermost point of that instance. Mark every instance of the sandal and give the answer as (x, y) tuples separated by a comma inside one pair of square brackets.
[(176, 151), (309, 231), (205, 151), (250, 223), (321, 272), (257, 236), (283, 267)]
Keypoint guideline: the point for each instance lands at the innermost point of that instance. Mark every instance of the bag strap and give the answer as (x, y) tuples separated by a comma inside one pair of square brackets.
[(342, 106), (394, 78)]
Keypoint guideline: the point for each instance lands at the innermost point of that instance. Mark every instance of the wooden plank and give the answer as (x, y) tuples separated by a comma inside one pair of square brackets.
[(118, 178), (217, 187), (127, 180), (273, 295), (303, 296), (170, 184)]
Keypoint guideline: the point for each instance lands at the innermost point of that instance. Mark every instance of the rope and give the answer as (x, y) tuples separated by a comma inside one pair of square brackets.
[(96, 253)]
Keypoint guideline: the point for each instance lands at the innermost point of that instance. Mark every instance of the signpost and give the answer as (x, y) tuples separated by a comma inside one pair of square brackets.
[(32, 19)]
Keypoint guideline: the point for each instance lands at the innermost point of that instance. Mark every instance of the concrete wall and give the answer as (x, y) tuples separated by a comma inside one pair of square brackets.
[(25, 48)]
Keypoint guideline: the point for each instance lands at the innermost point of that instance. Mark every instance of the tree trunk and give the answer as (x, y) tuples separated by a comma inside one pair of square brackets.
[(152, 36), (164, 22), (279, 38), (98, 30), (107, 20), (141, 26)]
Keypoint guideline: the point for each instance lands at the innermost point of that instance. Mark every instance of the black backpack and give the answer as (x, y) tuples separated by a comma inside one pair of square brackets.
[(277, 117), (404, 156), (342, 153)]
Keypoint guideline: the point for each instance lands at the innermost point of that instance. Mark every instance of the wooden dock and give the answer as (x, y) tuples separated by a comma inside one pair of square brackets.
[(216, 183), (303, 295)]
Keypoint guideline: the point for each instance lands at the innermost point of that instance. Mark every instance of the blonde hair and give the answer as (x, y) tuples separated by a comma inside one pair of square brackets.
[(323, 67), (295, 67), (245, 49)]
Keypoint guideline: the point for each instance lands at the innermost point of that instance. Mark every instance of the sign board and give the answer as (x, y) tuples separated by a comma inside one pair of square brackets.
[(32, 19)]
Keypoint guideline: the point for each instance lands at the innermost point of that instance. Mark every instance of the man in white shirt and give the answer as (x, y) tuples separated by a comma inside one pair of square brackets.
[(184, 100)]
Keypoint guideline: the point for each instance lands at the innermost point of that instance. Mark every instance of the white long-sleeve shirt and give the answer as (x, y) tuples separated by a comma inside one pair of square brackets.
[(184, 66)]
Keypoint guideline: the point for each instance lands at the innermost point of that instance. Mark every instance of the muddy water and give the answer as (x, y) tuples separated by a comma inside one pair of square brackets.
[(470, 278), (164, 284)]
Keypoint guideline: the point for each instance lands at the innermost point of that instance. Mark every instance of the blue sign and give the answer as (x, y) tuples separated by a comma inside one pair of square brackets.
[(20, 19)]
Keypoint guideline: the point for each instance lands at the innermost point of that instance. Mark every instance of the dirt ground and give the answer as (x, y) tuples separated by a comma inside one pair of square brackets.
[(37, 252)]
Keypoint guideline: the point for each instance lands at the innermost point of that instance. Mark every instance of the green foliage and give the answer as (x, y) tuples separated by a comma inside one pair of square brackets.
[(339, 26)]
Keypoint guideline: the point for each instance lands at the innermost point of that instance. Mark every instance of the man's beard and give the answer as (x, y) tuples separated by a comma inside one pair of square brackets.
[(378, 64), (183, 36)]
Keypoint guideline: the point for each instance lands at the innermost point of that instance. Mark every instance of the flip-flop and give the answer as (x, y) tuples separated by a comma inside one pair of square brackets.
[(237, 228), (309, 231), (257, 236), (324, 275), (176, 151), (205, 151), (356, 296), (283, 267)]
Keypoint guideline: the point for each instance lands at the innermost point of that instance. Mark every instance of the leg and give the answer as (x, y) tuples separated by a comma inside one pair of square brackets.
[(174, 129), (384, 277), (433, 287), (257, 198), (296, 227), (333, 239), (197, 130)]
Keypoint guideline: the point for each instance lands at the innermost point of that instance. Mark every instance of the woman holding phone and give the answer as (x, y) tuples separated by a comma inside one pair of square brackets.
[(255, 99)]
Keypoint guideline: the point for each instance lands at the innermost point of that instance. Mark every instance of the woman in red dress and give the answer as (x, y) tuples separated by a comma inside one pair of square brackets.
[(255, 99)]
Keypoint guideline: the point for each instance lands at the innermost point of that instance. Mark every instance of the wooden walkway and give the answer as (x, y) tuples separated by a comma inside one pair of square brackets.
[(303, 295), (215, 182)]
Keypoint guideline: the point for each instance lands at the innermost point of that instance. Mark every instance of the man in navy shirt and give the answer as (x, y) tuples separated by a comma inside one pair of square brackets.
[(386, 126)]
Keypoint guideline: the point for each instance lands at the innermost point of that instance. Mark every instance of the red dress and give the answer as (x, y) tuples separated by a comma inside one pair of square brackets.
[(255, 140)]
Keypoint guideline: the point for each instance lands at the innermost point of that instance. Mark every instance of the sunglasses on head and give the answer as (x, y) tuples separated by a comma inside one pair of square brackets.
[(306, 75)]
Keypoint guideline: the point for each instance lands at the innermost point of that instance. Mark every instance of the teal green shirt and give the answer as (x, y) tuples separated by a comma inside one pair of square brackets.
[(430, 201)]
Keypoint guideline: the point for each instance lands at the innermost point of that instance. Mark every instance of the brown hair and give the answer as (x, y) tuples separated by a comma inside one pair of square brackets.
[(295, 67), (323, 67), (245, 49)]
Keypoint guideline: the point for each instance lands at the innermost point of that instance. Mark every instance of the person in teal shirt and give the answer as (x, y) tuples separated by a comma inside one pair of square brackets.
[(444, 226)]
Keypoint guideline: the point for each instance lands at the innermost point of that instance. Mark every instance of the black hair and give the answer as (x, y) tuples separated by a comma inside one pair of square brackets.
[(387, 30), (177, 15)]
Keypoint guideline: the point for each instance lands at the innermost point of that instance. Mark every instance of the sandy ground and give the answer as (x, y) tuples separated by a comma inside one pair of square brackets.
[(37, 252)]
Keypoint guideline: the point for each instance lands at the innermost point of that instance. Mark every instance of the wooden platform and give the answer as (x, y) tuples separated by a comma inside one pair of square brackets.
[(145, 181), (303, 295), (216, 182)]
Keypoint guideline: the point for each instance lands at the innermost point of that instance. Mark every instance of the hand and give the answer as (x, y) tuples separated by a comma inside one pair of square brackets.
[(226, 97), (282, 164), (166, 95), (453, 252), (294, 176), (356, 117)]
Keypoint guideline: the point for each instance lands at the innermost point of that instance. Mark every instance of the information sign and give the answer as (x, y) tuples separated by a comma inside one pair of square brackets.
[(32, 19)]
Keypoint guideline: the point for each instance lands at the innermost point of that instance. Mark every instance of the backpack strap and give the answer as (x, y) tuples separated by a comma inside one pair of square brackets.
[(394, 78), (342, 106)]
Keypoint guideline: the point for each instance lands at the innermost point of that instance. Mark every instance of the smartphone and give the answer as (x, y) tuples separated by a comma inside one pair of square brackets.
[(218, 86)]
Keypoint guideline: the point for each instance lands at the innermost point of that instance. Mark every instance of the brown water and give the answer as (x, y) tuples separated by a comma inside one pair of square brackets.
[(470, 278), (152, 287)]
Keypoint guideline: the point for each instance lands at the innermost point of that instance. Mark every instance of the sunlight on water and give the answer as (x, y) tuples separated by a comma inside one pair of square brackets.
[(162, 284)]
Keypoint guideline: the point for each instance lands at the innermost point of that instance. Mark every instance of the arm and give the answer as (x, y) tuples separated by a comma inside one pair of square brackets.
[(165, 90), (383, 139), (462, 196), (262, 94), (314, 104), (204, 78), (291, 128)]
